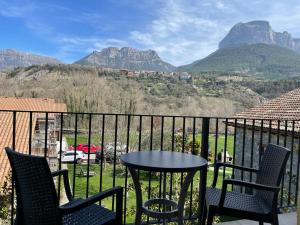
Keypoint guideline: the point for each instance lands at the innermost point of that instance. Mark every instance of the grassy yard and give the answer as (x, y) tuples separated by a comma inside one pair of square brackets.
[(108, 178), (107, 182)]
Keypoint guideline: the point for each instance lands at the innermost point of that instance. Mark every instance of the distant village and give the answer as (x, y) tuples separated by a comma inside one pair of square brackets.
[(184, 76)]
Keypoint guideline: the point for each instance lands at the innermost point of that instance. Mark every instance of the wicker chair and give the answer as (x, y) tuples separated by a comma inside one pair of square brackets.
[(38, 203), (259, 206)]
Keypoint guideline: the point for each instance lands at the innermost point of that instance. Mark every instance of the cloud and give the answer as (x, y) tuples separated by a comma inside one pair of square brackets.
[(70, 46), (16, 9), (182, 32)]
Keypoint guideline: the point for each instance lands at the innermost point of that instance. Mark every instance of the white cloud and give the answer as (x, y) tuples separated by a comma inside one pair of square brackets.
[(181, 33), (78, 45)]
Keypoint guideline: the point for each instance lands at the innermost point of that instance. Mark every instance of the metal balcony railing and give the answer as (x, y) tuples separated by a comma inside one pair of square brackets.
[(107, 136)]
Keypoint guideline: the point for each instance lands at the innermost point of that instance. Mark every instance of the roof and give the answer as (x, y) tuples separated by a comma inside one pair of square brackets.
[(282, 111), (22, 124), (284, 107), (31, 104)]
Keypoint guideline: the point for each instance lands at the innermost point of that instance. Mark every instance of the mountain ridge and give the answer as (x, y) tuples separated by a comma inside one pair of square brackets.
[(12, 58), (258, 31), (126, 58)]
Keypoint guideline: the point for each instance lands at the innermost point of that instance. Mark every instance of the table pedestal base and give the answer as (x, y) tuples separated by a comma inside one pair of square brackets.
[(177, 208)]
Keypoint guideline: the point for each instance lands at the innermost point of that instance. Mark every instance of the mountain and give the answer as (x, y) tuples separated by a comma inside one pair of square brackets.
[(261, 60), (11, 58), (126, 58), (253, 48), (255, 32)]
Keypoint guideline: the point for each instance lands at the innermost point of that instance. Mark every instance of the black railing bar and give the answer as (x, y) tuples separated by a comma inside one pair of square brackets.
[(151, 147), (46, 135), (115, 158), (234, 149), (75, 150), (140, 139), (203, 173), (89, 156), (243, 152), (270, 131), (282, 183), (161, 149), (194, 153), (140, 132), (291, 165), (225, 146), (13, 183), (172, 149), (278, 132), (297, 176), (216, 140), (60, 152), (183, 145), (261, 141), (126, 169), (30, 133), (252, 150), (102, 153)]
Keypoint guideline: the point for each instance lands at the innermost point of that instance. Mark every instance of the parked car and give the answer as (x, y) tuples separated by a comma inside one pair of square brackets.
[(68, 157), (85, 148)]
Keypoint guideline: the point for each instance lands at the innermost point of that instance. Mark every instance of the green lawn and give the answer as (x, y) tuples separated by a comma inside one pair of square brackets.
[(107, 178), (107, 182)]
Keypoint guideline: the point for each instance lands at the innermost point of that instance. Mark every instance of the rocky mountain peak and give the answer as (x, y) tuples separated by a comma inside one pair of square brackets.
[(12, 58), (256, 32), (126, 58)]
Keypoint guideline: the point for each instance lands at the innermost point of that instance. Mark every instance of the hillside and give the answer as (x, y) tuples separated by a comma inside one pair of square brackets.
[(11, 58), (126, 58), (261, 60), (90, 89)]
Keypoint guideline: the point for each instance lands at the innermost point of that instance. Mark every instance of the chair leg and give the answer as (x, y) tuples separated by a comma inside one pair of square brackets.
[(211, 213), (275, 220), (204, 216)]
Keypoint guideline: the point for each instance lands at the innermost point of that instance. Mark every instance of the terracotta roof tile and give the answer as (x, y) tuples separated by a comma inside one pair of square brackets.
[(22, 124), (284, 107)]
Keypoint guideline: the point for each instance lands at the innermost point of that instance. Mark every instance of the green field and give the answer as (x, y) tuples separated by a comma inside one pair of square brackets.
[(120, 172)]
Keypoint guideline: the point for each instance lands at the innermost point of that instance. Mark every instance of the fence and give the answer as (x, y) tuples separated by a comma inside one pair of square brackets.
[(107, 136)]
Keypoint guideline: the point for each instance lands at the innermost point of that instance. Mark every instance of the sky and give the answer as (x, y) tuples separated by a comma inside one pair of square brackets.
[(180, 31)]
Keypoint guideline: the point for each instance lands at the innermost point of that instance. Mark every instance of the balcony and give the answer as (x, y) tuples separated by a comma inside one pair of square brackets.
[(233, 140)]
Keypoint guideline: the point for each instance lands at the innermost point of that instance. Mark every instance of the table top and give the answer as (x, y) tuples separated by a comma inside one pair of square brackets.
[(163, 161)]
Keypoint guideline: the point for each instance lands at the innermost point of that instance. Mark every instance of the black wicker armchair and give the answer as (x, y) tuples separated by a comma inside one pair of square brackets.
[(38, 203), (259, 206)]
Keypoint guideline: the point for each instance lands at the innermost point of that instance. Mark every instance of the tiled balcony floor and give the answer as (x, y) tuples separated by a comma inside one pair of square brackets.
[(284, 219)]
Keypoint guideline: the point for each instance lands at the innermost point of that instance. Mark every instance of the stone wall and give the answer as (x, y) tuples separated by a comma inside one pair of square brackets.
[(253, 145)]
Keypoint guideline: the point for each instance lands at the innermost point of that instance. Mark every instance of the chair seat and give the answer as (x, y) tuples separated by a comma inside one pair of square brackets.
[(238, 201), (91, 215)]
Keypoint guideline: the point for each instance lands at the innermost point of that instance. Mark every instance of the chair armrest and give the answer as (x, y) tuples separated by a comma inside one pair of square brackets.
[(218, 165), (66, 182), (262, 187), (67, 209)]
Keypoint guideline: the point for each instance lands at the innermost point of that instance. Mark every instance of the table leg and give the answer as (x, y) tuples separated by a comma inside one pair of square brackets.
[(183, 192), (138, 194)]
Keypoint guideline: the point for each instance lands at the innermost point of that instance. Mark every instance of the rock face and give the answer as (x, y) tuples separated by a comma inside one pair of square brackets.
[(126, 58), (10, 59), (255, 32)]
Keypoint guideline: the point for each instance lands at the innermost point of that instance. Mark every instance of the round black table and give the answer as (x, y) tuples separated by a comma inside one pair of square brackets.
[(162, 161)]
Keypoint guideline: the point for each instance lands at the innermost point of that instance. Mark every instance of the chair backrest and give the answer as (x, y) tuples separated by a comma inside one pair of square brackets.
[(37, 202), (271, 170)]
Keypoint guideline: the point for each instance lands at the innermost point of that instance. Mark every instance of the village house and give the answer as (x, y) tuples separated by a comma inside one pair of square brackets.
[(254, 133), (27, 126)]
